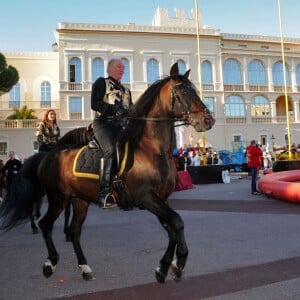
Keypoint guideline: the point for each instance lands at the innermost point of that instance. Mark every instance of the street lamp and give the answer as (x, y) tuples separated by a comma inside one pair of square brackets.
[(273, 139)]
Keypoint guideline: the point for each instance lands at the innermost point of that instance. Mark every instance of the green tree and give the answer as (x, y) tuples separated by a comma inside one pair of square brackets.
[(22, 113), (9, 76)]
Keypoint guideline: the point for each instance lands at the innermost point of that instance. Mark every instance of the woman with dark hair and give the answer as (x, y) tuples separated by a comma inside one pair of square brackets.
[(48, 132)]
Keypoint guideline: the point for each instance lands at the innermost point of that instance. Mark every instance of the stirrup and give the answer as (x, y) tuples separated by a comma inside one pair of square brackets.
[(109, 204)]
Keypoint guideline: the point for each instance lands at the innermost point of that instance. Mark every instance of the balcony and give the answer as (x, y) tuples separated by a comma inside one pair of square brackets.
[(258, 88), (75, 86), (280, 88), (233, 87), (19, 123), (261, 119), (236, 120)]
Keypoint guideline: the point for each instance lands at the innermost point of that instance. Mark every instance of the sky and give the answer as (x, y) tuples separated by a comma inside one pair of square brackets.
[(29, 25)]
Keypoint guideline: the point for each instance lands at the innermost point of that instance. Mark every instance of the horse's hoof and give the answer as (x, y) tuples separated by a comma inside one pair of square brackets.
[(160, 275), (48, 269), (87, 273), (88, 276), (177, 272)]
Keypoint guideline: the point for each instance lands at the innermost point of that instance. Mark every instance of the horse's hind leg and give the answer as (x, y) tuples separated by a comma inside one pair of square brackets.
[(66, 223), (33, 226), (80, 209), (46, 226)]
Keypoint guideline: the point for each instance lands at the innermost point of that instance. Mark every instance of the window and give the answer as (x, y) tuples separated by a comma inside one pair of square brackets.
[(209, 103), (256, 73), (263, 139), (75, 70), (206, 72), (75, 108), (260, 106), (152, 70), (298, 74), (232, 72), (97, 68), (3, 148), (237, 139), (45, 94), (181, 66), (126, 75), (278, 74), (234, 106), (14, 96)]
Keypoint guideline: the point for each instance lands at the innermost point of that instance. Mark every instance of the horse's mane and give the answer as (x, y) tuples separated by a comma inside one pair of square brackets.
[(140, 109), (78, 136)]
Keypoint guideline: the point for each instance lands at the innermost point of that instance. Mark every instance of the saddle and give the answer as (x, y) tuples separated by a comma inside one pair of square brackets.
[(86, 165)]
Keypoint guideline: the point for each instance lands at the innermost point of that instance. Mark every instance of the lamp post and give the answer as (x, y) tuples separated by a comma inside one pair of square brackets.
[(273, 139), (273, 144)]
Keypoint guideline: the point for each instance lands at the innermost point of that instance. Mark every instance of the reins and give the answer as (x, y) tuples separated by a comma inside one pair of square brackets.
[(173, 97)]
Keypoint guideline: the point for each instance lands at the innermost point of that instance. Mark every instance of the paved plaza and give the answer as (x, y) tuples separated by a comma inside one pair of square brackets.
[(240, 247)]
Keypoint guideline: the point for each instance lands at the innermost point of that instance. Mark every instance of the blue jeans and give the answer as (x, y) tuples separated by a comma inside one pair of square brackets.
[(253, 178)]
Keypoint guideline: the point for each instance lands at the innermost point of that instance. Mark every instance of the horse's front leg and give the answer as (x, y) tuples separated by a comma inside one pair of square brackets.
[(174, 226), (46, 226), (80, 209), (181, 252), (161, 272)]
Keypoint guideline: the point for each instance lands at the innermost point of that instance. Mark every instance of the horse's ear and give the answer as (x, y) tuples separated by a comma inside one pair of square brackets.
[(174, 70), (187, 73)]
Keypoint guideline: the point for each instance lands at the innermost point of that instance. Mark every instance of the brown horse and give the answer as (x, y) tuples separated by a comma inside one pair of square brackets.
[(80, 137), (149, 138)]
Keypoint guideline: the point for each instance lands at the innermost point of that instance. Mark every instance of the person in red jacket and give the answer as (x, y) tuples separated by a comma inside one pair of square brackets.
[(254, 155)]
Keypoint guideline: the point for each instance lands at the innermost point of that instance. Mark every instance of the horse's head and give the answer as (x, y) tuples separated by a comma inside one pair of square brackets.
[(186, 105)]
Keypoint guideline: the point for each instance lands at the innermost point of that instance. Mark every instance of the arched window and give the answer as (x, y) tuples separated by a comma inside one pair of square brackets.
[(181, 66), (234, 106), (260, 106), (75, 70), (298, 74), (232, 72), (14, 96), (256, 73), (206, 72), (278, 74), (126, 75), (97, 68), (45, 94), (152, 70)]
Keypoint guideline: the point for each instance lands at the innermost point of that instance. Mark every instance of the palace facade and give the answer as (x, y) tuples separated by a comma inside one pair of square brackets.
[(249, 86)]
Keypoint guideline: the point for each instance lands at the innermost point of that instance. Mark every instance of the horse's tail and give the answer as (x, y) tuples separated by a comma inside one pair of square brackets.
[(24, 192)]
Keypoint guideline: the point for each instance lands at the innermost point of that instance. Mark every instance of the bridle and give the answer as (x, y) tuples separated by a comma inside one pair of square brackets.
[(184, 119)]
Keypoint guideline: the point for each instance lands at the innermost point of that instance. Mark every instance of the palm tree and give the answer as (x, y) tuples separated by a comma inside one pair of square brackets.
[(22, 113), (9, 76)]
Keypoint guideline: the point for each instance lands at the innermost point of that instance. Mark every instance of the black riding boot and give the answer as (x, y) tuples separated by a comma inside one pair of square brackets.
[(105, 181)]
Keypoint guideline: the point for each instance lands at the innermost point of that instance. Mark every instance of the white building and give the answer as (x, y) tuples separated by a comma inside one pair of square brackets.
[(242, 78)]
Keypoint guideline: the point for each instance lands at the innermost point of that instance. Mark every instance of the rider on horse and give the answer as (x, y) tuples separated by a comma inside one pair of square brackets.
[(111, 101)]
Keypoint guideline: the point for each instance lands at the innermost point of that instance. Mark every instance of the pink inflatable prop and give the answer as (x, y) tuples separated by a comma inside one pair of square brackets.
[(284, 185)]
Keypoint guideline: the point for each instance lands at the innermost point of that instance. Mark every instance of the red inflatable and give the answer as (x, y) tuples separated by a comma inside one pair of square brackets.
[(284, 185)]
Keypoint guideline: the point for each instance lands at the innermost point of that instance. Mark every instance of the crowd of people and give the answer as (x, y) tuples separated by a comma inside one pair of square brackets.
[(194, 156)]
